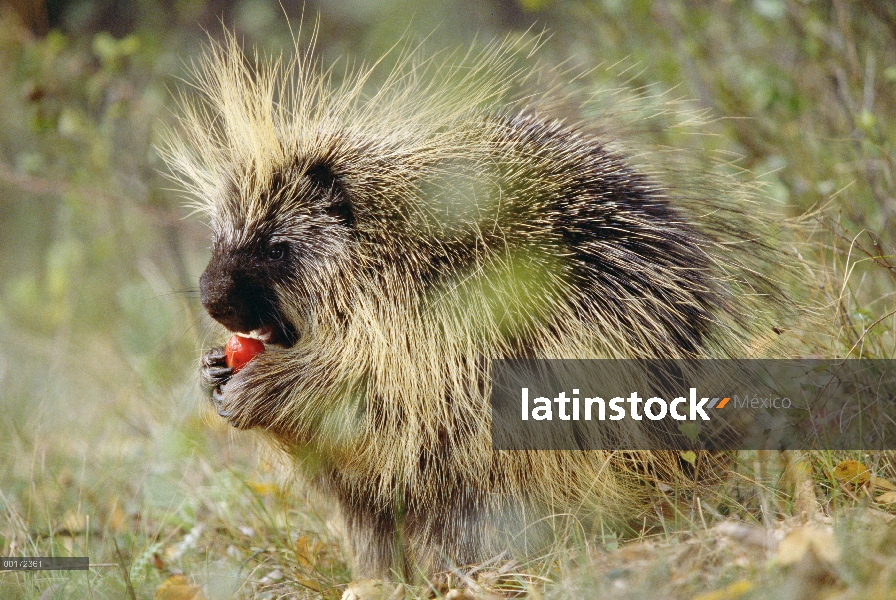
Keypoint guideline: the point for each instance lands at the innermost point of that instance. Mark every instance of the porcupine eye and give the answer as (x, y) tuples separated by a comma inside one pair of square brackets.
[(276, 253), (337, 205)]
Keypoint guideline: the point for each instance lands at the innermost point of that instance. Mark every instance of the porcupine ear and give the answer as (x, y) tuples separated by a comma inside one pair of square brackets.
[(339, 204)]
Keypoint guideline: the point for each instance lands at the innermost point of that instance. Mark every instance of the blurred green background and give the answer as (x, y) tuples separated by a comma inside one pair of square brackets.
[(106, 446)]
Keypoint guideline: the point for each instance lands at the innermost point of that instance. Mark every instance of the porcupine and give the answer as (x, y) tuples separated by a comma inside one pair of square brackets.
[(387, 245)]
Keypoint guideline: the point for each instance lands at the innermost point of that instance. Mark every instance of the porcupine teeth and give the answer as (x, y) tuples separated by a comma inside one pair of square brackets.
[(264, 334)]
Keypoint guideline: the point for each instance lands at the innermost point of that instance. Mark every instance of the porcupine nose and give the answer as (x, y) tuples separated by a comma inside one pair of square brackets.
[(228, 295), (215, 292)]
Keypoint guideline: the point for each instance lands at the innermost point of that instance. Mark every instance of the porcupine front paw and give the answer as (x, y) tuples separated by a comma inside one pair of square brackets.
[(214, 373)]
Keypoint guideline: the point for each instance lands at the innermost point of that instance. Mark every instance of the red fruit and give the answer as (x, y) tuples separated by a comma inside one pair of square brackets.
[(240, 350)]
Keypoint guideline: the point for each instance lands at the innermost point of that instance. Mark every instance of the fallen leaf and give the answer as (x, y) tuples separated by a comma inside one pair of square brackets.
[(729, 592), (814, 538), (852, 471), (157, 562), (307, 552), (460, 594), (263, 489), (74, 522), (116, 518), (882, 483), (178, 587), (886, 498), (310, 584)]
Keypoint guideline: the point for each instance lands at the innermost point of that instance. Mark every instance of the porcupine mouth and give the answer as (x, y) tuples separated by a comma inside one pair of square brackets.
[(282, 335)]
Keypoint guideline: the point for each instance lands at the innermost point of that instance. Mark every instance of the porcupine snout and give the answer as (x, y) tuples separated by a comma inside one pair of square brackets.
[(232, 294)]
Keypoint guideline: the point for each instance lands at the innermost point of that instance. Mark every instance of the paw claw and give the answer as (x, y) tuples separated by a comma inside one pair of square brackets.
[(214, 357), (218, 401), (213, 370)]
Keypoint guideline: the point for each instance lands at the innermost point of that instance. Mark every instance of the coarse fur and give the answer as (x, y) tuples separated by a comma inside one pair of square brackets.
[(390, 243)]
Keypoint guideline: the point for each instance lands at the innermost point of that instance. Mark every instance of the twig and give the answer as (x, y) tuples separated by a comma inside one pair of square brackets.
[(124, 570)]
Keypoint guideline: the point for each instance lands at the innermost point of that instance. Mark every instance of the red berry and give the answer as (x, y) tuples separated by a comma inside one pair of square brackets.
[(240, 350)]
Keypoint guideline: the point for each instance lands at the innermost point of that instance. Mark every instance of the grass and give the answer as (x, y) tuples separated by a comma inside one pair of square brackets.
[(107, 450)]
